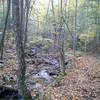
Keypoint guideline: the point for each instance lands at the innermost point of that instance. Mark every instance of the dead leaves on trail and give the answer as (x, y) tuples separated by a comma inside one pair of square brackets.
[(77, 84)]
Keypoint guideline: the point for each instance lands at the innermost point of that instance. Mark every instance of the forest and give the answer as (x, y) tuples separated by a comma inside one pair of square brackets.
[(49, 49)]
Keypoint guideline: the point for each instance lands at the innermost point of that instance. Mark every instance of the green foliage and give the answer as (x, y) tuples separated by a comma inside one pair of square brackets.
[(38, 39), (87, 37)]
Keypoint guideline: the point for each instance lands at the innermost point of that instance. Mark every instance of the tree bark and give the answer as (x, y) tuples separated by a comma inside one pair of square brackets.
[(20, 52), (61, 42), (4, 31), (26, 21)]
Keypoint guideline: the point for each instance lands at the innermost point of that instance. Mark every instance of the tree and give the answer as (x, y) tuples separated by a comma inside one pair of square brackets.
[(26, 21), (4, 31), (20, 52), (61, 42)]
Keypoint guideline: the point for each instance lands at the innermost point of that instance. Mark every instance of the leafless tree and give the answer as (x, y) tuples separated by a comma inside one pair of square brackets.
[(20, 52), (4, 30)]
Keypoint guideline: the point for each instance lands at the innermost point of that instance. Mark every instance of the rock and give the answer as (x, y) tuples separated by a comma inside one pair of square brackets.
[(51, 62), (54, 62), (1, 64), (38, 85), (31, 82), (45, 75), (10, 78)]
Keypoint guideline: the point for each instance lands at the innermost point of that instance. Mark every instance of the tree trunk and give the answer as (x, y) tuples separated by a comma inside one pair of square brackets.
[(75, 33), (61, 42), (4, 31), (20, 52), (26, 21), (62, 59)]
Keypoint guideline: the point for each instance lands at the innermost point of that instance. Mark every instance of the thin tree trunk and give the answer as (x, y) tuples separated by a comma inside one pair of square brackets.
[(26, 21), (20, 53), (4, 31), (22, 18), (97, 28), (75, 33), (54, 24), (61, 42)]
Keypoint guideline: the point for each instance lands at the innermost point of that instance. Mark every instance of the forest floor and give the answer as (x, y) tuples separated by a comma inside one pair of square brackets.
[(81, 82)]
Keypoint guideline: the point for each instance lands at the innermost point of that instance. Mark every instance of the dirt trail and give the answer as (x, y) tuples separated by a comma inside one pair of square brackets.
[(81, 83)]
